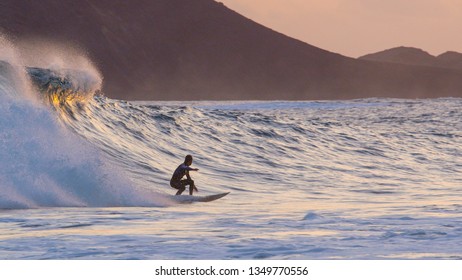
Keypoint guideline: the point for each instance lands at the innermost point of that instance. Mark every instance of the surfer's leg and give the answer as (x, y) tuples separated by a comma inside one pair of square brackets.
[(179, 186), (180, 191), (182, 186), (192, 187)]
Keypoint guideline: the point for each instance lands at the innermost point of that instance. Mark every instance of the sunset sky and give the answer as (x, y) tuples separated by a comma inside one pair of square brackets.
[(357, 27)]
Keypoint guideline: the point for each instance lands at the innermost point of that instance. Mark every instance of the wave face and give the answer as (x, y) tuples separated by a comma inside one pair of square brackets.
[(374, 148)]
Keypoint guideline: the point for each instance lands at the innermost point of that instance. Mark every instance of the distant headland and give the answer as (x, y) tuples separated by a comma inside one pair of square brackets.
[(414, 56)]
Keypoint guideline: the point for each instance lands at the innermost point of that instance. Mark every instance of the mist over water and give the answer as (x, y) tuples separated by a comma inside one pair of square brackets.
[(369, 178)]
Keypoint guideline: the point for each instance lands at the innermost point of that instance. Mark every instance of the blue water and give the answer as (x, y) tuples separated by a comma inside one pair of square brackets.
[(87, 177)]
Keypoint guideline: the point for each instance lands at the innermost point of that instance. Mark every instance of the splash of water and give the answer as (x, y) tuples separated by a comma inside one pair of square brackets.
[(43, 163)]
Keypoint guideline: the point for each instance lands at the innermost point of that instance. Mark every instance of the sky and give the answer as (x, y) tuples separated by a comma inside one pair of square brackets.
[(358, 27)]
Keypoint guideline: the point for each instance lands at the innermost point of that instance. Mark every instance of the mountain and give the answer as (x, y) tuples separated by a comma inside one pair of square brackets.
[(200, 49), (404, 55), (450, 60), (414, 56)]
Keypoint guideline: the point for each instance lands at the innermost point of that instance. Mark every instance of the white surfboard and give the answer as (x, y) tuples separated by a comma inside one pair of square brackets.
[(198, 198)]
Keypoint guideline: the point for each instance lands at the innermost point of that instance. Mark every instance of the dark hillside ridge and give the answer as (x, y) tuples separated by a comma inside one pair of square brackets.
[(414, 56), (200, 49)]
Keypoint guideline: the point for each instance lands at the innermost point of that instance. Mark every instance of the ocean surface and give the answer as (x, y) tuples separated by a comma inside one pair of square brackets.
[(83, 176)]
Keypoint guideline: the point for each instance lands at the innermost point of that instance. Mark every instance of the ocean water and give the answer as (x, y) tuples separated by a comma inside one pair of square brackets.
[(83, 176)]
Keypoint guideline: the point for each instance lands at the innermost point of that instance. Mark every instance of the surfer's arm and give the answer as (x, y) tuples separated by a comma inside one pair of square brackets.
[(191, 169)]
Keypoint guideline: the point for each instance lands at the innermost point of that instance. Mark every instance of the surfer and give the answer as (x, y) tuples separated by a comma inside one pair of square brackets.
[(177, 183)]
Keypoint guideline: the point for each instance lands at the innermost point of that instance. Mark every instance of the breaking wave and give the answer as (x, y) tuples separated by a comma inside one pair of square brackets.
[(44, 163)]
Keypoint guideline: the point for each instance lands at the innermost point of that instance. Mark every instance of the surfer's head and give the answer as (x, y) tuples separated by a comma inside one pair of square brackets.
[(188, 160)]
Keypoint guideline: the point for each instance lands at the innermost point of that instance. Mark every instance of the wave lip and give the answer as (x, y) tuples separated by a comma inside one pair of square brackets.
[(64, 86)]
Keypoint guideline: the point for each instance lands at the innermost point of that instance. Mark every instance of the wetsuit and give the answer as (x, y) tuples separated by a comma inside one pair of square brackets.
[(177, 183)]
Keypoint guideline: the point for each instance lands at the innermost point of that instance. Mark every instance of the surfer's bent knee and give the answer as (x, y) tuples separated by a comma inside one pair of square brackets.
[(177, 185)]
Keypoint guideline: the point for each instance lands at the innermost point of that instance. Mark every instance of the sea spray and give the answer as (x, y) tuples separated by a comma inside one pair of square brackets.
[(44, 164)]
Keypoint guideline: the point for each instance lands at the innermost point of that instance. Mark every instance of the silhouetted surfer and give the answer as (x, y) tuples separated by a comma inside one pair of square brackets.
[(177, 183)]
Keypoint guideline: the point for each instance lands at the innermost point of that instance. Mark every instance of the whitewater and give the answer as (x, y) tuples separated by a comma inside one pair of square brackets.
[(83, 176)]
